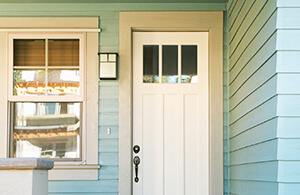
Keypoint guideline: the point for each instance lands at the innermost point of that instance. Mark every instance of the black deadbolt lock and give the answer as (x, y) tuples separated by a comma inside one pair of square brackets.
[(136, 149)]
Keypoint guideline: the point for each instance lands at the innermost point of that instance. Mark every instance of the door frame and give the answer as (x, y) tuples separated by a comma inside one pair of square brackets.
[(171, 21)]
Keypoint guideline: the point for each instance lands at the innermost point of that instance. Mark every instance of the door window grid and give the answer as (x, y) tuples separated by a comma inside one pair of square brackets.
[(186, 58)]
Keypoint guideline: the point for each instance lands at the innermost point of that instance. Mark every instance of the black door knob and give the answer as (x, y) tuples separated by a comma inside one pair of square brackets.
[(136, 162)]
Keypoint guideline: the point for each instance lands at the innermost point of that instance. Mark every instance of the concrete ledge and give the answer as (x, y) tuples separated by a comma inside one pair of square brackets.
[(25, 164)]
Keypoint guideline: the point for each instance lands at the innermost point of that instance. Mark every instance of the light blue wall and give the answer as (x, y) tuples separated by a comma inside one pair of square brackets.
[(108, 90), (253, 97), (264, 97), (288, 90)]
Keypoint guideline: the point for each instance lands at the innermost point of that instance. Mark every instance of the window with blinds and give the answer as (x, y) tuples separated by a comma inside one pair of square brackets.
[(46, 67), (29, 52), (46, 106), (63, 52)]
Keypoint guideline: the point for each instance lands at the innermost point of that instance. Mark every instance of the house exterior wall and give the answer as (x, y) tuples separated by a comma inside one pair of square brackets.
[(226, 162), (108, 90), (253, 98), (288, 90)]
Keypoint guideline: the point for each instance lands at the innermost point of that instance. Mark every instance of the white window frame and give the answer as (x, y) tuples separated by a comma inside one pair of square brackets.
[(87, 30), (72, 98)]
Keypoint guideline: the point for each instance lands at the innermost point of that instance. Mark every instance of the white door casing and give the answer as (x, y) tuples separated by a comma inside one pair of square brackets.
[(170, 121)]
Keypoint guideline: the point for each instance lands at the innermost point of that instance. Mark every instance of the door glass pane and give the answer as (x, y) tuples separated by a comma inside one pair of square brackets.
[(189, 64), (170, 64), (63, 82), (29, 82), (28, 52), (46, 130), (63, 52), (150, 64)]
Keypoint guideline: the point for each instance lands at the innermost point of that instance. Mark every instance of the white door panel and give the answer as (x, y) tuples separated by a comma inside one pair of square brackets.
[(170, 120)]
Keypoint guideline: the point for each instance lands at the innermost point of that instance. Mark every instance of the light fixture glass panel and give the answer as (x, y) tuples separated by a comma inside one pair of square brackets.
[(103, 57), (150, 64), (189, 64), (63, 52), (29, 52), (170, 64), (46, 130), (63, 82), (29, 82), (112, 57)]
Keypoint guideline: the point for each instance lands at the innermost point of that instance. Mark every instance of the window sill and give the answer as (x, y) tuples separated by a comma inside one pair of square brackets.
[(73, 172)]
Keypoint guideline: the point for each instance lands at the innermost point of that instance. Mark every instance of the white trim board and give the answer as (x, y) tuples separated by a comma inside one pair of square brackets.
[(167, 21), (49, 22), (48, 30)]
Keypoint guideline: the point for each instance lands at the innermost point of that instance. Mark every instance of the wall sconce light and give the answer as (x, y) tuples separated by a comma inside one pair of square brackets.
[(108, 66)]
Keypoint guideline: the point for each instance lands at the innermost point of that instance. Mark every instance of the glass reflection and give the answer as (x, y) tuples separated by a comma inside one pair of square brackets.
[(63, 82), (170, 64), (29, 82), (150, 64), (46, 130), (189, 64)]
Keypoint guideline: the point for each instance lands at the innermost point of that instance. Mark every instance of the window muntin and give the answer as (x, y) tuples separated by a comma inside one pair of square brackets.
[(59, 81), (46, 130)]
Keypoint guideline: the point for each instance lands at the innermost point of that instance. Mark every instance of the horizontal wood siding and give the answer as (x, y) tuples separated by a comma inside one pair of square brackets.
[(253, 97), (108, 119), (288, 47), (247, 187), (108, 14)]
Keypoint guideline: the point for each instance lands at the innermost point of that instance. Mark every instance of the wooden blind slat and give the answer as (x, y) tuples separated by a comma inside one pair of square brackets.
[(29, 52), (63, 52), (60, 52)]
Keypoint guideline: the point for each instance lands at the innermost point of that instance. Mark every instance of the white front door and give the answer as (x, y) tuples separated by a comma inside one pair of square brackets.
[(170, 113)]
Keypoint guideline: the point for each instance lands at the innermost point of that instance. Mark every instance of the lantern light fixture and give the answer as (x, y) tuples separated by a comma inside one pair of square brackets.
[(108, 66)]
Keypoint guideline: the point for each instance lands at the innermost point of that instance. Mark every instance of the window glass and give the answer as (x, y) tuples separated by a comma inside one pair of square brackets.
[(150, 64), (28, 52), (29, 82), (170, 64), (189, 64), (46, 130), (63, 52), (63, 82)]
